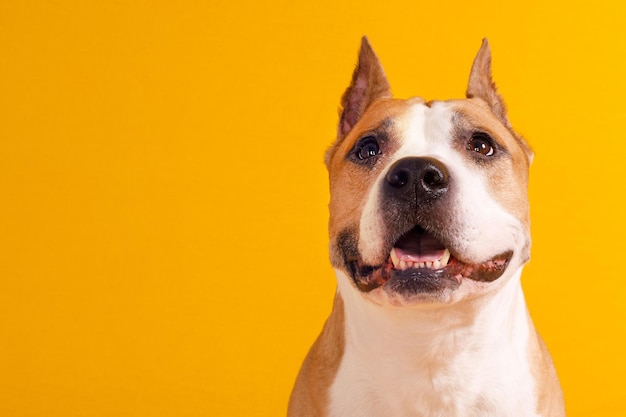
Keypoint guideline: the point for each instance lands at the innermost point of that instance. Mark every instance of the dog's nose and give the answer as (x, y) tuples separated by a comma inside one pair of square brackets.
[(419, 177)]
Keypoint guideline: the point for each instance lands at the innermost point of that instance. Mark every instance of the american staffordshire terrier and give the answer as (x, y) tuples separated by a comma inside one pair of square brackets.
[(429, 231)]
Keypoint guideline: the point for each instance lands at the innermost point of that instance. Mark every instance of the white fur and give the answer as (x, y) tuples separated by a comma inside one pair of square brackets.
[(435, 361)]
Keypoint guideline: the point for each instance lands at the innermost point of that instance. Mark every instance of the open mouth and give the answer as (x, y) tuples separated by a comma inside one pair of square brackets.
[(419, 262), (418, 249)]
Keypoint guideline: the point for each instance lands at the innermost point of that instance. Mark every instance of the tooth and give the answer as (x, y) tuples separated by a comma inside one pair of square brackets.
[(394, 258), (445, 258), (436, 265), (402, 265), (428, 265)]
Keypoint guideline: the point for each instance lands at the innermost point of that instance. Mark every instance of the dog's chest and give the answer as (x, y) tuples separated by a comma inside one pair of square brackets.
[(463, 386), (395, 366)]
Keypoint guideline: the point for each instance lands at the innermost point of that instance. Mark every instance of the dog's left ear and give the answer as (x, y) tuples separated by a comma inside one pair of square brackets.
[(481, 84)]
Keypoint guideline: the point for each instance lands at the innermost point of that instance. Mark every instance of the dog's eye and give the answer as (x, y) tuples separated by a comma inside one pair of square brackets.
[(481, 143), (367, 148)]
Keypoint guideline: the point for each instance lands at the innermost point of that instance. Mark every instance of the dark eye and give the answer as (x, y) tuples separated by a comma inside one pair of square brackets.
[(481, 143), (367, 148)]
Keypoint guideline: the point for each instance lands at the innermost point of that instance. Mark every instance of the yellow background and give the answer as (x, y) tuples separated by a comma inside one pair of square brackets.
[(163, 196)]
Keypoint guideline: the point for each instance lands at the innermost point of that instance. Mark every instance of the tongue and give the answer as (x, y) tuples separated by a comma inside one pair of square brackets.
[(419, 246)]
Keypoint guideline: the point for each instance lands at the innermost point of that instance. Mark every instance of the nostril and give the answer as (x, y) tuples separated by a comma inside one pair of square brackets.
[(434, 179), (398, 178)]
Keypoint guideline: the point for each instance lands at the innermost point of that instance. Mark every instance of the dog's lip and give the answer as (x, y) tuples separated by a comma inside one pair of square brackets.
[(368, 278), (437, 262)]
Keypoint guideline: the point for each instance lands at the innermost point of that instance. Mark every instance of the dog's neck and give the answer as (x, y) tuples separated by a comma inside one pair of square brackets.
[(439, 350), (491, 319)]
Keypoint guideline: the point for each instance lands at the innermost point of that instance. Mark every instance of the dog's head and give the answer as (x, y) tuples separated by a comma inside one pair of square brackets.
[(428, 199)]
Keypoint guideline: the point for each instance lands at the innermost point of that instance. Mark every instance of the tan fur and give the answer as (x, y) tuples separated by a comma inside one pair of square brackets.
[(310, 393), (481, 84), (549, 393), (369, 83), (341, 175)]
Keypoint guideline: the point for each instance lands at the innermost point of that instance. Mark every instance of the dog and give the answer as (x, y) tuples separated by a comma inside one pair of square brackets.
[(429, 231)]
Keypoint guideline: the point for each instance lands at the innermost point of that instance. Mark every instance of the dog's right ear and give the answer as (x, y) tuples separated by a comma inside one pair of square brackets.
[(369, 83)]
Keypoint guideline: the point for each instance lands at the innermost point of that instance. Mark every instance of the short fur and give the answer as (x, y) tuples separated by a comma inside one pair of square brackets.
[(409, 339)]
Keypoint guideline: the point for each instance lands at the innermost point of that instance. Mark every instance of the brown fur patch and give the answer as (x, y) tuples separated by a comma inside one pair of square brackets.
[(369, 83), (548, 389), (310, 393), (481, 84), (345, 207)]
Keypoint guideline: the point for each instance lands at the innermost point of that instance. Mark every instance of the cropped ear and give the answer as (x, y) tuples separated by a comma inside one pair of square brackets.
[(369, 83), (482, 86)]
